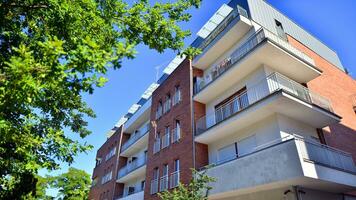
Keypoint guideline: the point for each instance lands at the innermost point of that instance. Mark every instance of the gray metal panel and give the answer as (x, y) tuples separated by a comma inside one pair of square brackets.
[(265, 14)]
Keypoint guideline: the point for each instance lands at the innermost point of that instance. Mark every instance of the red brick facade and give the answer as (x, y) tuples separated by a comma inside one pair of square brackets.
[(110, 189), (183, 149), (339, 88)]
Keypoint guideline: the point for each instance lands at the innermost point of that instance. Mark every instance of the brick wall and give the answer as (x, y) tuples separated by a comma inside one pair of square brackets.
[(338, 87), (107, 190), (183, 150)]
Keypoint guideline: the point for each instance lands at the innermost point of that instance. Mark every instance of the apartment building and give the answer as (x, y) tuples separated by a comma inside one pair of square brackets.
[(266, 104), (104, 185)]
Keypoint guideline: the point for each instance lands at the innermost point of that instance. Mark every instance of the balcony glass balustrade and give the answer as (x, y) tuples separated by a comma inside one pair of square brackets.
[(221, 27), (256, 39), (310, 150), (273, 83), (135, 137), (130, 167)]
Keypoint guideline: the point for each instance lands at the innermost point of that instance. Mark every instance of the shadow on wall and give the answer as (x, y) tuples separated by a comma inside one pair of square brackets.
[(341, 137)]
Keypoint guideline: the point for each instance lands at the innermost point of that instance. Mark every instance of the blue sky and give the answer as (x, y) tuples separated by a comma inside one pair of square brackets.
[(333, 23)]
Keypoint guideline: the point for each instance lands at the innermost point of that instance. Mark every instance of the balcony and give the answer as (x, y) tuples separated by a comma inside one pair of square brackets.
[(273, 94), (263, 47), (139, 118), (223, 37), (137, 141), (283, 163), (136, 168)]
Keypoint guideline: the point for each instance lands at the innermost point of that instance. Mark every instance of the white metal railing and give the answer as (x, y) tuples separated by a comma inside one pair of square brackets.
[(174, 180), (221, 27), (176, 134), (257, 38), (156, 145), (325, 155), (135, 137), (163, 183), (310, 151), (130, 167), (166, 140), (154, 186), (263, 88)]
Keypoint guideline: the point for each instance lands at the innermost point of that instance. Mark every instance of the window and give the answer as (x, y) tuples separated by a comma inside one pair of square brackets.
[(157, 143), (110, 154), (176, 165), (159, 110), (227, 153), (247, 145), (237, 149), (175, 177), (156, 173), (164, 179), (177, 96), (154, 182), (165, 170), (176, 132), (167, 104), (106, 178), (166, 138), (280, 30), (131, 190)]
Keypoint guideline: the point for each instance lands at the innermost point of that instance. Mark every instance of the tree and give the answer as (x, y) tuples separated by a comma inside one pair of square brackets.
[(52, 52), (191, 52), (41, 188), (197, 189), (72, 185)]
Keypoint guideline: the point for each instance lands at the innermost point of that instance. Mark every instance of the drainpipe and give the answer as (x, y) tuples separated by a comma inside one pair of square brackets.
[(192, 110), (117, 160)]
